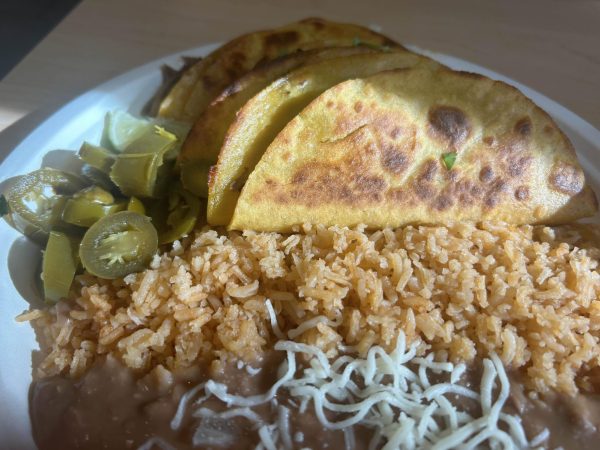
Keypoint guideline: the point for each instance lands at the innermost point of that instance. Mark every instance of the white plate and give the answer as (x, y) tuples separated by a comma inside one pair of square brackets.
[(81, 119)]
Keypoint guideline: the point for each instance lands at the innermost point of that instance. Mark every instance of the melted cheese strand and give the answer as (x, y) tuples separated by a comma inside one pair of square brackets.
[(219, 390), (266, 439), (540, 438), (312, 323), (156, 442), (183, 403), (273, 319), (349, 439), (283, 421), (235, 412)]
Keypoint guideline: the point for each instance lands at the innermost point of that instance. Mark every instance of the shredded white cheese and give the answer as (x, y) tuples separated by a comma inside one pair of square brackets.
[(399, 402), (273, 319), (252, 370), (183, 403), (312, 323), (283, 422), (349, 439), (266, 438), (540, 438), (228, 414), (154, 442)]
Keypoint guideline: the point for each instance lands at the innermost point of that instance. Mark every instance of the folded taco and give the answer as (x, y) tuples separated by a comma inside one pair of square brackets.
[(416, 146)]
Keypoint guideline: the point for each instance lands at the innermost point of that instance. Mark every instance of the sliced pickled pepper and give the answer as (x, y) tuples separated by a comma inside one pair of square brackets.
[(142, 170), (90, 205), (82, 212), (195, 177), (135, 205), (135, 174), (98, 157), (36, 201), (59, 265), (95, 194), (176, 215), (118, 244), (99, 178)]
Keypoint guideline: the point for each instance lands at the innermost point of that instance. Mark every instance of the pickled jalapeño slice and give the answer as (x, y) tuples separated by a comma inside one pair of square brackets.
[(118, 244)]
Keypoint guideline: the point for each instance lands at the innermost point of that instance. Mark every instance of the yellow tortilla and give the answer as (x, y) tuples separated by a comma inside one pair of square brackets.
[(200, 84), (265, 115), (205, 139), (372, 151)]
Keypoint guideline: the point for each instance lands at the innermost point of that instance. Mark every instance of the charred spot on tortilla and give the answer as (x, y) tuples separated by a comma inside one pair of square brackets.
[(395, 132), (301, 176), (517, 166), (522, 193), (494, 193), (428, 170), (422, 184), (449, 124), (423, 191), (443, 202), (282, 39), (486, 174), (368, 186), (523, 127), (489, 140), (452, 175), (566, 178), (394, 160), (397, 195), (468, 192)]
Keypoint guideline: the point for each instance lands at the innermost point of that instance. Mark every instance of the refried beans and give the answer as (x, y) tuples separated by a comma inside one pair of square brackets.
[(109, 407)]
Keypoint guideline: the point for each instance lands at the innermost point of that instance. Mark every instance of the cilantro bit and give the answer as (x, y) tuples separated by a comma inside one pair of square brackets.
[(449, 159), (3, 206)]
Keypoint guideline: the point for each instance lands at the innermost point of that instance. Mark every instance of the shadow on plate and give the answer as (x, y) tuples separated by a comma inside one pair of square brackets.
[(14, 134), (24, 266)]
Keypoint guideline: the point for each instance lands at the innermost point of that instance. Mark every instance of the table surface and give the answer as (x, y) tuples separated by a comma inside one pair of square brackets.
[(553, 46)]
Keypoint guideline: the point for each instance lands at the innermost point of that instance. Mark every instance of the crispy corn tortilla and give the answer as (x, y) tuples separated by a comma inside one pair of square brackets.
[(199, 85), (265, 115), (375, 151), (206, 137)]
